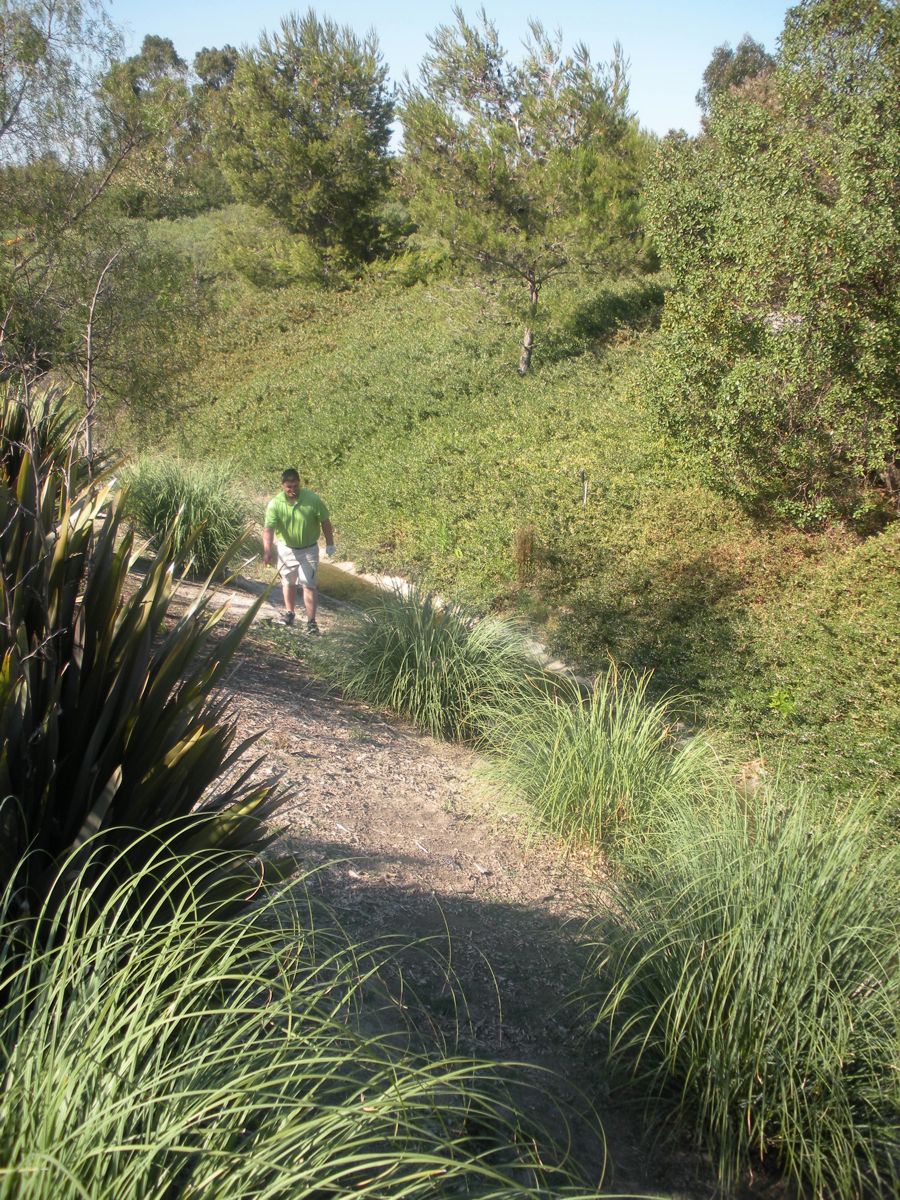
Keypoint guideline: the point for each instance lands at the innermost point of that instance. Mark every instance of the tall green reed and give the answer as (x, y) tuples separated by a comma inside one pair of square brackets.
[(436, 665), (196, 505), (595, 767), (752, 985), (155, 1044)]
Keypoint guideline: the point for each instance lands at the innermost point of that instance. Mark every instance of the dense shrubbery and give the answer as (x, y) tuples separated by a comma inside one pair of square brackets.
[(817, 673), (753, 987), (193, 508), (780, 225), (151, 1045)]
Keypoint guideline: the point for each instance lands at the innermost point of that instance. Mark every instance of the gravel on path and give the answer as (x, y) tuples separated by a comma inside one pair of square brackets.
[(410, 845)]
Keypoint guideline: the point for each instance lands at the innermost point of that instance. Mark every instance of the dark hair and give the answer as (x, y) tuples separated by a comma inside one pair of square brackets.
[(289, 473)]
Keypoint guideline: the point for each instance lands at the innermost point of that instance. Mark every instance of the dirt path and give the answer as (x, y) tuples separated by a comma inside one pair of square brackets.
[(417, 848)]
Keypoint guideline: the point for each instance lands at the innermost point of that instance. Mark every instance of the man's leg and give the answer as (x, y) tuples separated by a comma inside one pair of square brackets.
[(308, 573), (289, 570), (289, 591)]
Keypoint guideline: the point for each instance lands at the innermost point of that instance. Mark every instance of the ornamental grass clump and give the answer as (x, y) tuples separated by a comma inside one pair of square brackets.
[(752, 985), (196, 506), (594, 768), (438, 666), (153, 1044)]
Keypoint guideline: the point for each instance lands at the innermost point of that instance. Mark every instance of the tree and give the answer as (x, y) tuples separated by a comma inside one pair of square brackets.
[(148, 98), (731, 68), (781, 227), (100, 306), (52, 53), (129, 312), (525, 169), (215, 68), (308, 124), (214, 71), (51, 177), (81, 296), (49, 55)]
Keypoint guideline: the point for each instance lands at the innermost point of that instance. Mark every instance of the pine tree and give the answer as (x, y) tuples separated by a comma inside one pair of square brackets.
[(526, 169), (308, 125)]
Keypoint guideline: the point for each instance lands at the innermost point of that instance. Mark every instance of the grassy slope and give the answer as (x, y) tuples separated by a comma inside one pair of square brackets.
[(403, 407)]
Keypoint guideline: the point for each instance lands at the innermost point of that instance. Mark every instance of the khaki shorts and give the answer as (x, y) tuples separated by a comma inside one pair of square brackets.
[(298, 565)]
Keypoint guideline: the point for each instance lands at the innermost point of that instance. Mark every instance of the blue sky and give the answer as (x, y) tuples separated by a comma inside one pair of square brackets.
[(669, 44)]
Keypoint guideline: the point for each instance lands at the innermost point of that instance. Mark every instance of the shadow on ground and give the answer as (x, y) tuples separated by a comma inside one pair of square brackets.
[(676, 620), (597, 321), (496, 982), (483, 953)]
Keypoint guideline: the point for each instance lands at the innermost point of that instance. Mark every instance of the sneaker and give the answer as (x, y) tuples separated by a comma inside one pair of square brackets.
[(312, 627), (287, 618)]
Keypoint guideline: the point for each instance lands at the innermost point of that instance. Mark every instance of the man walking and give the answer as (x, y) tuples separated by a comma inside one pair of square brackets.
[(294, 519)]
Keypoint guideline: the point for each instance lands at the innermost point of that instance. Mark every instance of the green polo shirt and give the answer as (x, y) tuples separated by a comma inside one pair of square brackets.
[(298, 523)]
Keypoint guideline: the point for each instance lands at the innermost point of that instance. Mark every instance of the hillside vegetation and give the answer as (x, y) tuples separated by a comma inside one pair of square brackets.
[(403, 406), (642, 390), (635, 394)]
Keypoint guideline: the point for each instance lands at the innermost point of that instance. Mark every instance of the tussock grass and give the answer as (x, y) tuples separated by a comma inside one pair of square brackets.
[(206, 514), (438, 666), (596, 768), (753, 986), (154, 1045)]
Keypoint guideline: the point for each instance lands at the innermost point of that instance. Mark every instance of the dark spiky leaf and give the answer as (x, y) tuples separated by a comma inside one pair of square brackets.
[(109, 722)]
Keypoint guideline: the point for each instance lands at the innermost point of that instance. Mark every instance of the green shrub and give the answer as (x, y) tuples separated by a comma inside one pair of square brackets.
[(596, 768), (210, 1057), (437, 666), (820, 680), (107, 716), (421, 260), (194, 505), (753, 985), (776, 360), (281, 262)]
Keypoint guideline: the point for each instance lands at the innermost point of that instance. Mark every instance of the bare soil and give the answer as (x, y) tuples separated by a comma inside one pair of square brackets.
[(411, 847)]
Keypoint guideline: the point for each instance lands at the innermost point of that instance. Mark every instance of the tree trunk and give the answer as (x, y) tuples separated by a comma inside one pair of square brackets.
[(90, 395), (528, 336), (525, 354)]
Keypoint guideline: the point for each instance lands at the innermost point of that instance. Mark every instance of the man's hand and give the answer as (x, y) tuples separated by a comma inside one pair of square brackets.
[(329, 551)]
